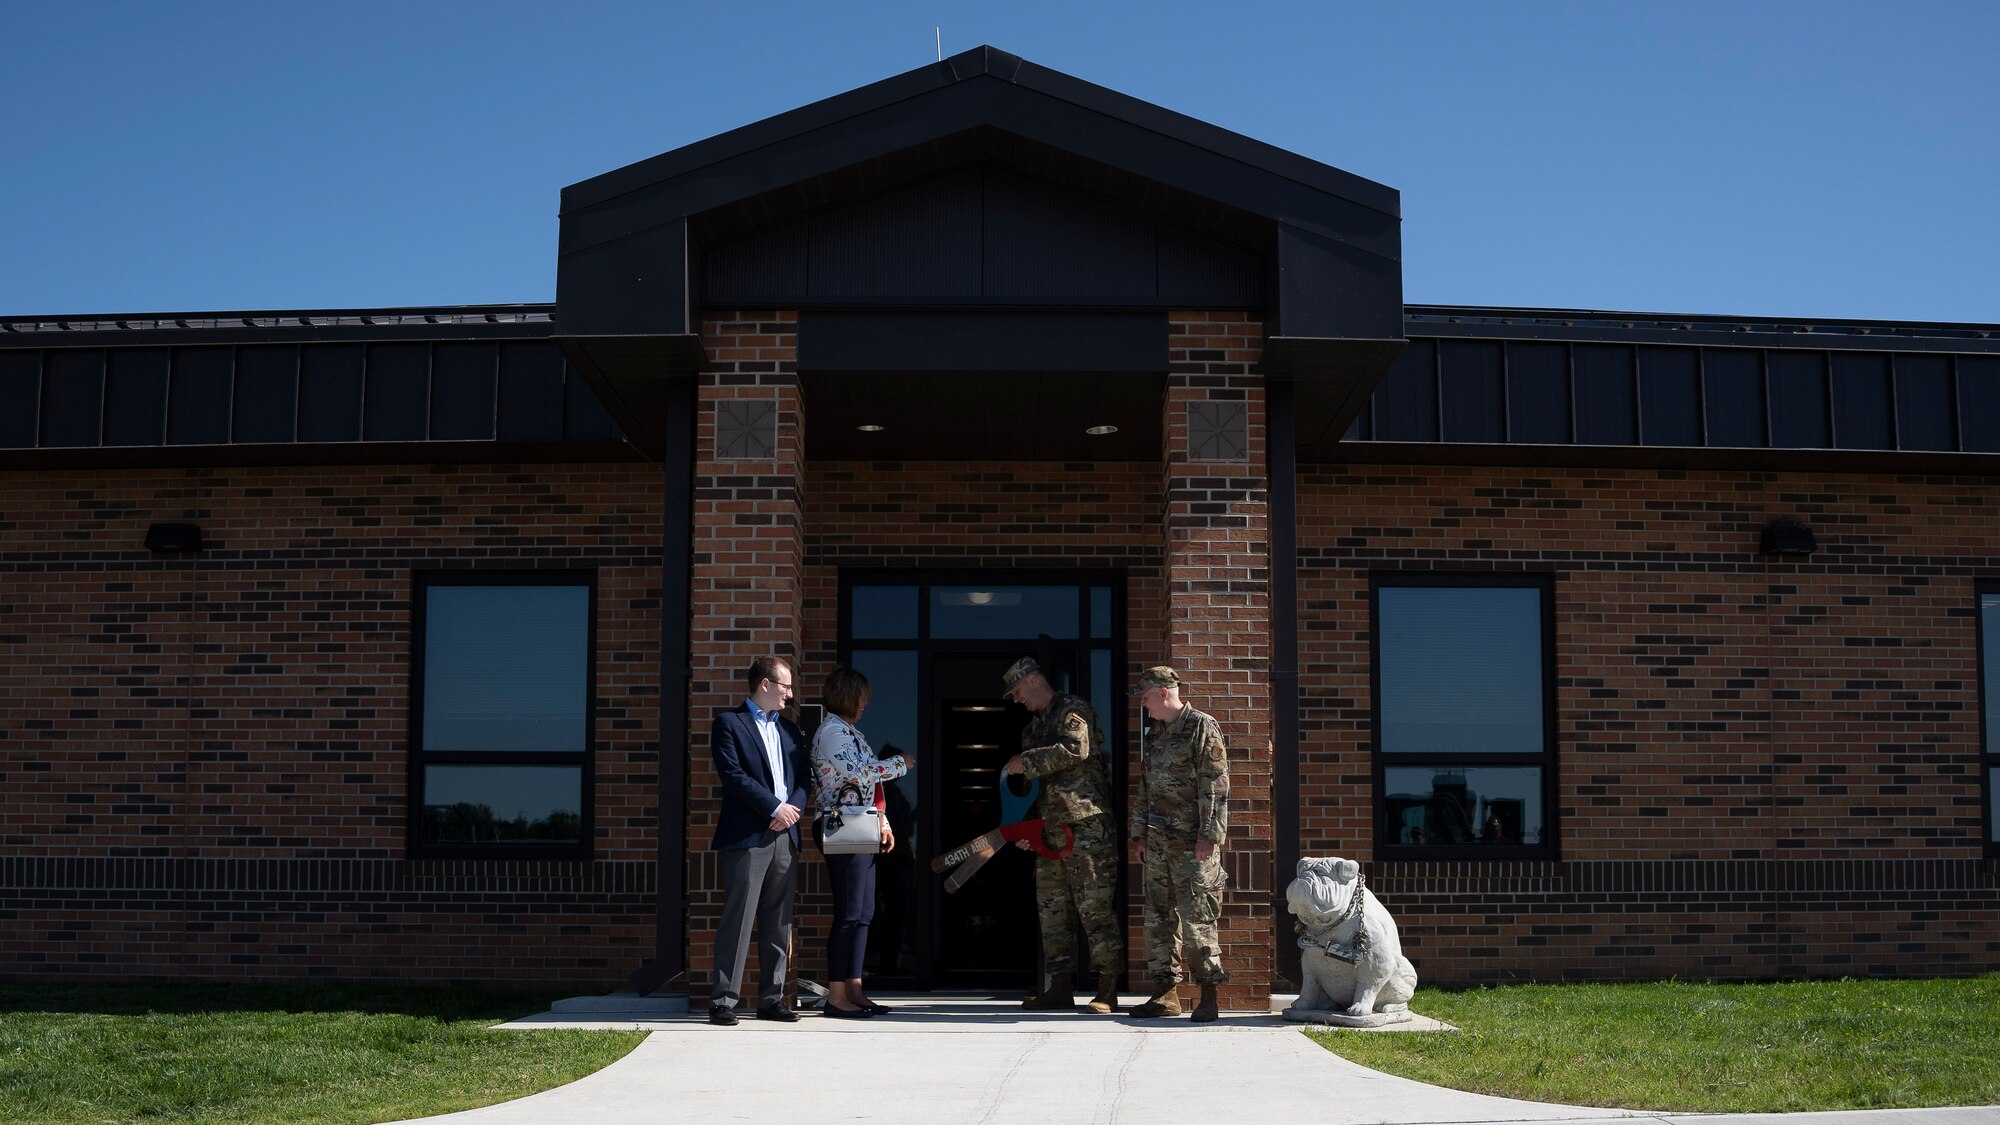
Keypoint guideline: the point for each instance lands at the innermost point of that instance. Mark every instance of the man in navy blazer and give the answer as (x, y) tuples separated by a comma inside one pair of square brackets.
[(761, 759)]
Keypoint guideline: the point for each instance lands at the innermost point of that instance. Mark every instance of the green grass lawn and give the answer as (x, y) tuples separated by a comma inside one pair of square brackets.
[(1807, 1045), (245, 1053)]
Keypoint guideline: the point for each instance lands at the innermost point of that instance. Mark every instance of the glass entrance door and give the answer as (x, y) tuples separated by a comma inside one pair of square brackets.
[(933, 648)]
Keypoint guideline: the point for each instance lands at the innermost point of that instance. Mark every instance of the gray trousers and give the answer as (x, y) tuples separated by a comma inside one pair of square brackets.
[(757, 885)]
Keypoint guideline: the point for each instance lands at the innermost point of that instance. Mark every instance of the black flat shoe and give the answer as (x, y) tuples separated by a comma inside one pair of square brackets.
[(834, 1013), (778, 1012), (875, 1009)]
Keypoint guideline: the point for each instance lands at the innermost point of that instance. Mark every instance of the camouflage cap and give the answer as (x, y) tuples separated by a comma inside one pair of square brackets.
[(1159, 675), (1021, 670)]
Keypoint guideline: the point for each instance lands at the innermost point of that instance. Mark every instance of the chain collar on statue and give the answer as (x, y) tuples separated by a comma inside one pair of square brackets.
[(1342, 951)]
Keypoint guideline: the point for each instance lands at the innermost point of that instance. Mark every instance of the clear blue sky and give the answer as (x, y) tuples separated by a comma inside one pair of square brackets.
[(1755, 157)]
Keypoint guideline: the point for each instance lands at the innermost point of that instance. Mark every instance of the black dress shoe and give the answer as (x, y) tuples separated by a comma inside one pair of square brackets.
[(834, 1013), (778, 1012), (721, 1016)]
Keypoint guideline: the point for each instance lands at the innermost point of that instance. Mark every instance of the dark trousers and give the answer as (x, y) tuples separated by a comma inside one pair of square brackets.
[(853, 908), (757, 887)]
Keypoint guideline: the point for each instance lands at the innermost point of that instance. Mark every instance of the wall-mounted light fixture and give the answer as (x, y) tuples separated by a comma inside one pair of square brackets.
[(173, 538), (1786, 535)]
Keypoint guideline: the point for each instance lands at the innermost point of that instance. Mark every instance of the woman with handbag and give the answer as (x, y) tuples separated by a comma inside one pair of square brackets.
[(848, 786)]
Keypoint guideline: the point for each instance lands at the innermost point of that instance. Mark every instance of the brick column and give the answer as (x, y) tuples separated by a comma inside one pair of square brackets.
[(1217, 584), (748, 555)]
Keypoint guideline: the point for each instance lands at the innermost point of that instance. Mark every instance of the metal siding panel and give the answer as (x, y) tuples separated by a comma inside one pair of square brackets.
[(1041, 243), (1470, 391), (20, 394), (330, 388), (1205, 274), (1538, 393), (72, 396), (135, 396), (267, 394), (923, 242), (1732, 392), (769, 266), (1799, 415), (531, 393), (1670, 396), (584, 417), (1864, 406), (463, 385), (1606, 395), (199, 412), (1979, 404), (1924, 408), (395, 403), (1405, 403)]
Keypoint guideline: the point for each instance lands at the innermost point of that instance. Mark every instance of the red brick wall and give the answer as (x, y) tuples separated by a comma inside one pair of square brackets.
[(203, 764), (745, 580), (1766, 766), (1218, 583)]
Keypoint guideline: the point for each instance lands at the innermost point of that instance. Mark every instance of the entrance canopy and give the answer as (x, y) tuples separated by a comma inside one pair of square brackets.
[(984, 190)]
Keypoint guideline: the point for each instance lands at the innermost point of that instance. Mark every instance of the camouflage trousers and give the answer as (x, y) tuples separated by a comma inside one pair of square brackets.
[(1183, 900), (1080, 887)]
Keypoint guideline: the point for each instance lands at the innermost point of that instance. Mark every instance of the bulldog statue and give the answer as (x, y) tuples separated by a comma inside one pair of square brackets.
[(1351, 964)]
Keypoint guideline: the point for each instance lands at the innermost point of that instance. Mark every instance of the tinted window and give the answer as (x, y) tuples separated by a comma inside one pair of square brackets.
[(884, 612), (1460, 669), (960, 612), (1434, 805), (505, 668), (479, 805)]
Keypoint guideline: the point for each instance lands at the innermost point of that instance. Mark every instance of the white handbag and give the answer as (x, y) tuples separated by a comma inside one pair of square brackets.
[(854, 829), (851, 830)]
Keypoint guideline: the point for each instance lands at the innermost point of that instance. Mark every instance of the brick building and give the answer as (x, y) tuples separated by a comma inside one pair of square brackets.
[(383, 643)]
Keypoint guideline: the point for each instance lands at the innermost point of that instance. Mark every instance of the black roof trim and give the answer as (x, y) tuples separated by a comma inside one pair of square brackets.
[(1603, 324), (1423, 320), (982, 62), (287, 321)]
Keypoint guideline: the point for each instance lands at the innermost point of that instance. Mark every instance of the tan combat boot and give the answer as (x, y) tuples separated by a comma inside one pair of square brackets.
[(1106, 1001), (1061, 996), (1206, 1011), (1163, 1002)]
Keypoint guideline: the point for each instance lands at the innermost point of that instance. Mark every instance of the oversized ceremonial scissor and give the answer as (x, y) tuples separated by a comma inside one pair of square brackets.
[(972, 855)]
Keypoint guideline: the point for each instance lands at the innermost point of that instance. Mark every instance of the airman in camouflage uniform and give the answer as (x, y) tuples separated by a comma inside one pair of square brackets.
[(1180, 816), (1063, 749)]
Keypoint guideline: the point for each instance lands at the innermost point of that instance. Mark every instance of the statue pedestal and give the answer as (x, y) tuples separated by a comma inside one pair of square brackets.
[(1342, 1019)]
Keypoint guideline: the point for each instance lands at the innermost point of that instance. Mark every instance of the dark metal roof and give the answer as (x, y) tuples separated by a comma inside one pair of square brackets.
[(1472, 321), (1476, 384), (463, 383), (1587, 387), (634, 241)]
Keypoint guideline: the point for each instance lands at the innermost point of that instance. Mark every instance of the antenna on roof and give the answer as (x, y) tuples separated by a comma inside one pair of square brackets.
[(938, 34)]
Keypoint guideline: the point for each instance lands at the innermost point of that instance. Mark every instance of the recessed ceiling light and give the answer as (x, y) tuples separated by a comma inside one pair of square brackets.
[(1100, 431), (869, 428)]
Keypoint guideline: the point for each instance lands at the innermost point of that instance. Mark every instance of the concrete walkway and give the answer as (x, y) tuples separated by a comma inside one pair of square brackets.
[(943, 1059)]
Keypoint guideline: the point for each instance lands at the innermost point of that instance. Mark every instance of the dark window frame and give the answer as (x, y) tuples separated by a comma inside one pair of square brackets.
[(1546, 760), (585, 759), (1989, 754)]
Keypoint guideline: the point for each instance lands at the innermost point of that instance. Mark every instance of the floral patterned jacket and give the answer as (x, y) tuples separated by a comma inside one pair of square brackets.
[(841, 757)]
